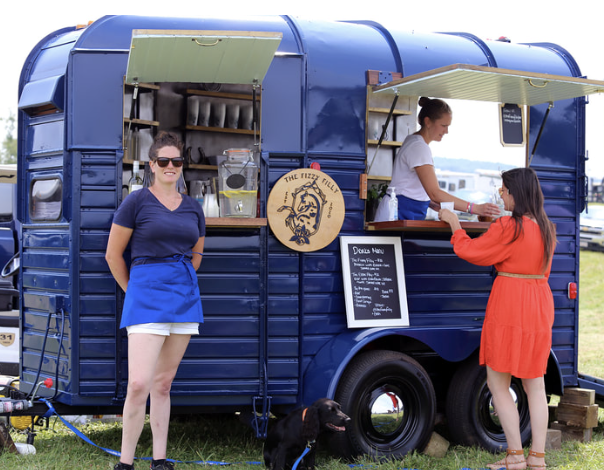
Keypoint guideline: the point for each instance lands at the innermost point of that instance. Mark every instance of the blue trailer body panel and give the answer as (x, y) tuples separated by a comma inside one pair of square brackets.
[(275, 319)]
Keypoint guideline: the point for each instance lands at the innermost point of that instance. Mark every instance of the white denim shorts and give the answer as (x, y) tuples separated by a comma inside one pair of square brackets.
[(165, 329)]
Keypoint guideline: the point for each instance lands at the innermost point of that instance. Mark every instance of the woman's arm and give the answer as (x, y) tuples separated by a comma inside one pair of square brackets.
[(451, 218), (118, 241), (198, 248), (427, 177)]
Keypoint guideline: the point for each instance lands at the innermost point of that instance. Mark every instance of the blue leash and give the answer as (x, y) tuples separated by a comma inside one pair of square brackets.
[(115, 453), (306, 451), (51, 411)]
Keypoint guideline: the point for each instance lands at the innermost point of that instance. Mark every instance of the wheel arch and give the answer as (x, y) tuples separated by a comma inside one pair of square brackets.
[(554, 382), (324, 372)]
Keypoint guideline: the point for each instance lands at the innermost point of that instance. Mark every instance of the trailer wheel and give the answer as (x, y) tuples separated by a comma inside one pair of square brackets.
[(391, 402), (471, 417)]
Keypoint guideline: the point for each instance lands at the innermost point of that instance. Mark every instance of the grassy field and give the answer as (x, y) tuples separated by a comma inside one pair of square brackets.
[(224, 439), (591, 320)]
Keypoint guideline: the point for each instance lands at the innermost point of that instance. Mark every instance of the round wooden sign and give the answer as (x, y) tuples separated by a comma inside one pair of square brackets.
[(305, 210)]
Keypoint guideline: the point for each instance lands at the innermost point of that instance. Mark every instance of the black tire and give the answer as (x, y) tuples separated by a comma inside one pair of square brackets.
[(391, 402), (471, 417)]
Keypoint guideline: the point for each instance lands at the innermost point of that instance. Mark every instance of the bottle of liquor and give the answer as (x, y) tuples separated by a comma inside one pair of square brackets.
[(136, 181)]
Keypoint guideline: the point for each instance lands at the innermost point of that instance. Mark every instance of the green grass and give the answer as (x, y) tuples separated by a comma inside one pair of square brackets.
[(591, 320), (225, 439)]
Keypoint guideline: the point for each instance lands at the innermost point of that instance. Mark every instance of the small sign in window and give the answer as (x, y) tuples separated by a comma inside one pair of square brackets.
[(46, 200), (511, 125)]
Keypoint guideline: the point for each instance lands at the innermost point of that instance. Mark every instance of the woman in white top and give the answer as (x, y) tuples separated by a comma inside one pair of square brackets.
[(413, 175)]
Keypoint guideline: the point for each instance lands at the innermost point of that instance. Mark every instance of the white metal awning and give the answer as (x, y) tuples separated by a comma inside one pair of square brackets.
[(478, 83), (241, 57)]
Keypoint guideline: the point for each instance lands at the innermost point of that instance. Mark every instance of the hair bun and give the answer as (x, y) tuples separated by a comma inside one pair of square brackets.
[(423, 101)]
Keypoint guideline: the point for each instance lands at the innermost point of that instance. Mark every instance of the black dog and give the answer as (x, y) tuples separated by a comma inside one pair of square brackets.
[(300, 429)]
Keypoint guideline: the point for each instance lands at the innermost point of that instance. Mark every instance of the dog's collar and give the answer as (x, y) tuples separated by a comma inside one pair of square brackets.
[(309, 444)]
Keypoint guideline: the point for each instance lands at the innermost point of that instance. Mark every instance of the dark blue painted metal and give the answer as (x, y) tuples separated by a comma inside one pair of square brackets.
[(275, 319)]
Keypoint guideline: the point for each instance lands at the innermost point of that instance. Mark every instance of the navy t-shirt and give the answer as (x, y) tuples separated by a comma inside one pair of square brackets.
[(157, 231)]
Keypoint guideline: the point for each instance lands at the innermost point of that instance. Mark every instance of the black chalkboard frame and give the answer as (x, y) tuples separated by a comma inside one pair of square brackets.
[(399, 316), (511, 125)]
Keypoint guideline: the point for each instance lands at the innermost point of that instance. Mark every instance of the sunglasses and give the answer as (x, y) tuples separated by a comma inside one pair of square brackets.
[(163, 162)]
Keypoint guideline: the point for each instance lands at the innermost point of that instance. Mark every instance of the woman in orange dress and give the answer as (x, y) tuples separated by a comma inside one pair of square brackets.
[(517, 330)]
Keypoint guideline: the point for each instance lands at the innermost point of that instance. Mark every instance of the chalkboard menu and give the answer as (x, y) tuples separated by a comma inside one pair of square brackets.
[(511, 125), (374, 281)]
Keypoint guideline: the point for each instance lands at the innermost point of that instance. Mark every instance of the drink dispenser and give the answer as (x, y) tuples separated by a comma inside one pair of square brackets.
[(238, 184)]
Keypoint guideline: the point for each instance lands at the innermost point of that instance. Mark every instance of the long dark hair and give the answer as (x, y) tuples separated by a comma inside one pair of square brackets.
[(523, 185)]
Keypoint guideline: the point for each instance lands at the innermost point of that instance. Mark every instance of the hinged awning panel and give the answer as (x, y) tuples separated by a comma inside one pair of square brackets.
[(241, 57), (477, 83)]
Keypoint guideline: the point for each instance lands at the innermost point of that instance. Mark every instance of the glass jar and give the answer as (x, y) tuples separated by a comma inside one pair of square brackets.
[(238, 184)]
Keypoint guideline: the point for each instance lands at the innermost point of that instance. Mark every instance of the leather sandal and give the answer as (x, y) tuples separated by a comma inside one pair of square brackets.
[(504, 463), (537, 455)]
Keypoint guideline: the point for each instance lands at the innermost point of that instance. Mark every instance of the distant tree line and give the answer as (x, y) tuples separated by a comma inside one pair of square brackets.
[(8, 152)]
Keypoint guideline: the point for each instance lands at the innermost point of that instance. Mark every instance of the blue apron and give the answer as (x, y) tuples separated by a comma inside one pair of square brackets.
[(411, 209), (163, 291)]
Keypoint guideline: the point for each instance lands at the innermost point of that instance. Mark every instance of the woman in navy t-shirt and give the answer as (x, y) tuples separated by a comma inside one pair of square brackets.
[(162, 308)]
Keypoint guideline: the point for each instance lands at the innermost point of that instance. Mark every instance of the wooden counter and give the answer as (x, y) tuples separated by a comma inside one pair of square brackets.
[(233, 222), (424, 226)]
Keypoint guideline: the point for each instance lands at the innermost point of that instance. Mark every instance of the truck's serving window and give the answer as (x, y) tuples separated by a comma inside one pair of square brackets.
[(487, 134), (206, 87), (46, 200)]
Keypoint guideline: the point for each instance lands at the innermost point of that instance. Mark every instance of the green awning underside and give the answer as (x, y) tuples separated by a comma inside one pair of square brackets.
[(200, 56)]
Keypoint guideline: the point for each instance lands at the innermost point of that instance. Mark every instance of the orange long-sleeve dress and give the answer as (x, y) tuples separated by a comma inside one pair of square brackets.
[(517, 330)]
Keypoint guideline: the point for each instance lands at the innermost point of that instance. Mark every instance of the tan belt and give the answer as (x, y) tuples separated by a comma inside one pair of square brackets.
[(521, 276)]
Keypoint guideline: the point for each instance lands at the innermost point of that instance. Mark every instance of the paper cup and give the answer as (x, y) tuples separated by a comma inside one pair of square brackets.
[(218, 114), (204, 113), (232, 116), (446, 205), (192, 110)]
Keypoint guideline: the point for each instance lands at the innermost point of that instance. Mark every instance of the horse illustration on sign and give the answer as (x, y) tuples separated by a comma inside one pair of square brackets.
[(305, 210), (304, 217)]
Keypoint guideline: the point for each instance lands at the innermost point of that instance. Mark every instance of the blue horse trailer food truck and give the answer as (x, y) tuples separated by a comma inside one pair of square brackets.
[(281, 326)]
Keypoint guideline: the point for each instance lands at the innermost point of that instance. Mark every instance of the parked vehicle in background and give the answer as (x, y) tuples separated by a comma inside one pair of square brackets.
[(9, 313), (592, 228)]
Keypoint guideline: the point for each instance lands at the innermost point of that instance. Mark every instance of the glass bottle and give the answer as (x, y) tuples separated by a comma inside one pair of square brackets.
[(181, 185), (133, 145), (392, 204), (136, 182), (497, 199)]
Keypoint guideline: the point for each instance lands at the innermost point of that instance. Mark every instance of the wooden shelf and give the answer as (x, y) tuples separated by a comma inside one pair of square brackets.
[(141, 122), (194, 166), (197, 166), (424, 225), (388, 143), (396, 112), (378, 178), (219, 94), (128, 161), (247, 222), (226, 130)]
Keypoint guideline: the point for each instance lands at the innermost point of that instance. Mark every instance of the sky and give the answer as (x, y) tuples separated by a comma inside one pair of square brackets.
[(575, 26)]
